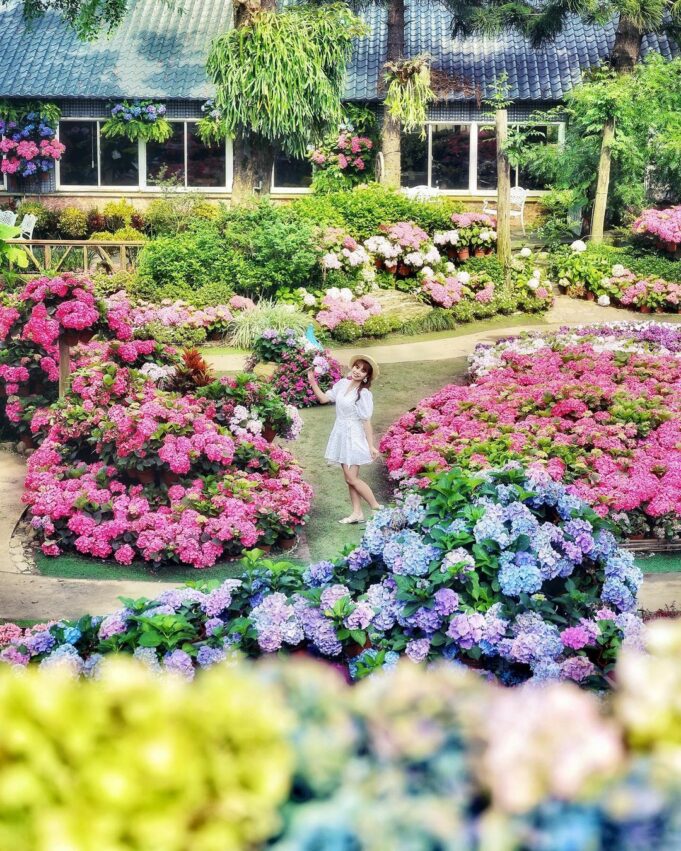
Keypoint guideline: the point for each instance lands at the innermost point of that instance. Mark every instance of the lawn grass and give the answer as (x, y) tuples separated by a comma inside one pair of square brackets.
[(399, 388), (659, 562)]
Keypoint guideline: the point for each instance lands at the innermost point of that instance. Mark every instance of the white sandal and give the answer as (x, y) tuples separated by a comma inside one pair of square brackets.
[(350, 520)]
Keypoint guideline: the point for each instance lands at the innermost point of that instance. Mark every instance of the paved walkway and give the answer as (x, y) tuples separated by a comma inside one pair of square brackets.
[(566, 311), (24, 596)]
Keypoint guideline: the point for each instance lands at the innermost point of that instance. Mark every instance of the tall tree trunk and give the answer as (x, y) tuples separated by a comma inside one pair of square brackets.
[(391, 146), (253, 159), (503, 191), (253, 156), (625, 54)]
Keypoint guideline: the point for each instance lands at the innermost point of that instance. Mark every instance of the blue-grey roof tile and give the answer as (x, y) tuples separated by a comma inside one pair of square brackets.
[(160, 51)]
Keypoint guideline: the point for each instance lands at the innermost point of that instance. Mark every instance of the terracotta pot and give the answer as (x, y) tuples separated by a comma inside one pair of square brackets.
[(378, 263), (644, 309), (27, 440), (264, 547), (146, 476), (671, 247), (287, 543), (636, 537), (463, 254), (403, 270), (479, 251), (489, 250), (269, 432), (590, 297), (169, 478), (451, 251)]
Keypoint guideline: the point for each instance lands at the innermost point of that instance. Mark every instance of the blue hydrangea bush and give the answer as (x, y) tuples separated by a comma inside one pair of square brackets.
[(503, 571)]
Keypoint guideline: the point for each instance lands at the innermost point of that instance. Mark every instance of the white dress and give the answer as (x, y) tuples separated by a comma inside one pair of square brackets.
[(348, 443)]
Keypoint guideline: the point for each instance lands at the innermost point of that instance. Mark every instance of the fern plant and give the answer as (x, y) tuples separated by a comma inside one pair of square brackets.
[(409, 91)]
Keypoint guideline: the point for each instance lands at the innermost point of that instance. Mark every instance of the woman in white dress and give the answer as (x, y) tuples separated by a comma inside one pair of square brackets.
[(351, 443)]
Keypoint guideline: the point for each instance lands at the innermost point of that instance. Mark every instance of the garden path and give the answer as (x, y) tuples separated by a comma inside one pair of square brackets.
[(566, 311), (27, 596)]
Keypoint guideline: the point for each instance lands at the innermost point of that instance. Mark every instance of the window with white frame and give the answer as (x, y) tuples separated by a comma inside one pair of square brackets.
[(291, 172), (458, 157), (92, 161)]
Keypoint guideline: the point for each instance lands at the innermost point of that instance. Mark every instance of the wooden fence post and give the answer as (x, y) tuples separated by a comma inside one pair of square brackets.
[(64, 366)]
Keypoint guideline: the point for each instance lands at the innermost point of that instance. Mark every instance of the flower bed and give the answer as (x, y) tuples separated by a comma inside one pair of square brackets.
[(129, 472), (585, 274), (505, 572), (663, 226), (294, 356), (602, 416), (412, 759)]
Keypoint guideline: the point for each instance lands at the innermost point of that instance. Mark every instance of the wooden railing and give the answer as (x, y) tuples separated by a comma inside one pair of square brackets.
[(77, 255)]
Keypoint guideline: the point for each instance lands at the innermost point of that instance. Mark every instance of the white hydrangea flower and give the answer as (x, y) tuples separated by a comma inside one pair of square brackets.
[(432, 255), (463, 277), (536, 273), (331, 261), (333, 292), (414, 259), (309, 300), (604, 300), (618, 270), (533, 283), (525, 252), (450, 267), (346, 294), (578, 245)]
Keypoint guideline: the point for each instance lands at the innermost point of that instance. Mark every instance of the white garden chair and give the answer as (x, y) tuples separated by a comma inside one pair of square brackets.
[(421, 193), (517, 205), (27, 225), (7, 217)]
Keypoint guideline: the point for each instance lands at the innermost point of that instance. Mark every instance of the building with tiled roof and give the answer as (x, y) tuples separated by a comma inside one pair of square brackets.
[(159, 52)]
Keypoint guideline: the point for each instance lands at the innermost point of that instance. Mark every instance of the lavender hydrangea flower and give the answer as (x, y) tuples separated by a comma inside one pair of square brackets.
[(317, 628), (213, 625), (446, 601), (425, 619), (358, 559), (361, 617), (418, 649), (577, 668), (466, 629), (519, 575), (177, 597), (330, 596), (149, 657), (319, 574), (220, 599), (179, 662), (65, 656), (93, 665), (208, 656), (276, 623), (383, 600), (39, 642), (458, 558)]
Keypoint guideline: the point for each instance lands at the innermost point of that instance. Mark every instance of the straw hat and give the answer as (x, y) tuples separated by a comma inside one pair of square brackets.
[(374, 366)]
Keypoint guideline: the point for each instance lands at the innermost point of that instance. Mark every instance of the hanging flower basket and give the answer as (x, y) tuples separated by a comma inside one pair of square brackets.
[(139, 119)]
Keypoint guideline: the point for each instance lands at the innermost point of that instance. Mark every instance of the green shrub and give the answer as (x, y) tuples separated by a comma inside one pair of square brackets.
[(640, 261), (179, 266), (211, 294), (101, 236), (73, 223), (47, 225), (277, 248), (175, 335), (129, 234), (379, 326), (438, 319), (118, 214), (364, 209), (489, 266), (107, 284), (347, 332)]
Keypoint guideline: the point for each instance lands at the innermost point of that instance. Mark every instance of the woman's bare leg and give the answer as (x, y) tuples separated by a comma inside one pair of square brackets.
[(353, 480), (355, 500)]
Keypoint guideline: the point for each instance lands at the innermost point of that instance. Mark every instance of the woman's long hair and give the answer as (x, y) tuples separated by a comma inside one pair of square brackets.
[(366, 382)]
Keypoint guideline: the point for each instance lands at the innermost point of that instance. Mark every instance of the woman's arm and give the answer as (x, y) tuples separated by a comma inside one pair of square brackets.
[(322, 397), (369, 432)]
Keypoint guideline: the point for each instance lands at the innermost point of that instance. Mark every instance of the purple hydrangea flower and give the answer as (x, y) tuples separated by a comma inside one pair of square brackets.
[(149, 657), (276, 623), (466, 629), (577, 668), (114, 624), (179, 662), (358, 559), (330, 596), (417, 650), (212, 625), (220, 599), (361, 617), (446, 602), (319, 574), (208, 656)]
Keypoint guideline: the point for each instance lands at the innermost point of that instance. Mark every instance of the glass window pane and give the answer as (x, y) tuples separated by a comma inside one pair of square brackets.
[(206, 166), (541, 135), (291, 172), (79, 160), (119, 162), (414, 159), (451, 155), (167, 158), (487, 158)]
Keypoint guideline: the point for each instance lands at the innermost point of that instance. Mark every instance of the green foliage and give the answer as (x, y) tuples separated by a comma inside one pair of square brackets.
[(137, 127), (176, 209), (364, 209), (118, 214), (488, 266), (188, 266), (409, 92), (347, 332), (11, 254), (643, 263), (281, 74), (249, 325), (107, 284), (381, 325), (181, 336), (47, 223), (277, 248), (73, 223)]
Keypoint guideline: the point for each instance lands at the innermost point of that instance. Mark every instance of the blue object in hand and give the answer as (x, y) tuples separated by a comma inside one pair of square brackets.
[(310, 337)]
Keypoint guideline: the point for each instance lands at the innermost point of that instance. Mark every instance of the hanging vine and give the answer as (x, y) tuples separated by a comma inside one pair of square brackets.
[(281, 74)]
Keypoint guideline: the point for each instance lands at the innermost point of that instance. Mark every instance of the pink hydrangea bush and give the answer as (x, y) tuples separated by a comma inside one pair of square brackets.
[(605, 423), (662, 225), (172, 314), (129, 472), (340, 306), (403, 249)]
